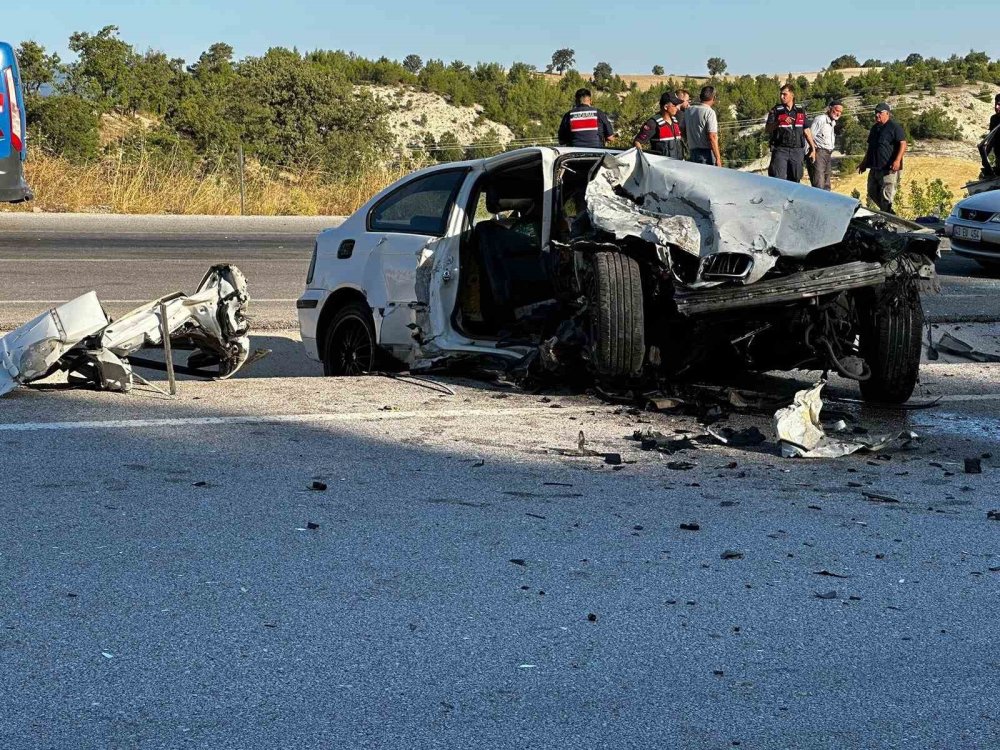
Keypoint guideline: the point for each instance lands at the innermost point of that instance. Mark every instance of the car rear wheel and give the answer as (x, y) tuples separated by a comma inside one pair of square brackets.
[(891, 345), (351, 348), (614, 294)]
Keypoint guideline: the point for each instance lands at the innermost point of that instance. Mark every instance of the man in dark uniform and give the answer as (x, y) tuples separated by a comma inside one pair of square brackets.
[(987, 146), (663, 131), (786, 125), (585, 125)]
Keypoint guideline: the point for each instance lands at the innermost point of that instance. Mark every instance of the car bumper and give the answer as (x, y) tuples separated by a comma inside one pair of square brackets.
[(988, 248), (309, 306)]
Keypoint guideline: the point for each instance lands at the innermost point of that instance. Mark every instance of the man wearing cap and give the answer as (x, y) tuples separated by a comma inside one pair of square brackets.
[(987, 146), (702, 130), (884, 157), (786, 125), (825, 127), (585, 125), (663, 132)]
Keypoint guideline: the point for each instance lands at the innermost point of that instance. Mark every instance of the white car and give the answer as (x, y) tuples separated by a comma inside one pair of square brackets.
[(619, 265), (974, 228)]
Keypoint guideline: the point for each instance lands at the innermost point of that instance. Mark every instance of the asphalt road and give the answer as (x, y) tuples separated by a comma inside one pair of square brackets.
[(128, 260), (168, 579)]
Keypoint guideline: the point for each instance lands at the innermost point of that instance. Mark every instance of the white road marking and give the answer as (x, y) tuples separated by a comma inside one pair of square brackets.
[(132, 424)]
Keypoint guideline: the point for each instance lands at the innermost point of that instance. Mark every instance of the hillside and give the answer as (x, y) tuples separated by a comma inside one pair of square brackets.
[(417, 114)]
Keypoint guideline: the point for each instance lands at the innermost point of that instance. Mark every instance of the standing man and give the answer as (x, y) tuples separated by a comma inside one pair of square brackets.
[(886, 146), (702, 130), (987, 146), (825, 127), (682, 109), (585, 125), (663, 132), (786, 124)]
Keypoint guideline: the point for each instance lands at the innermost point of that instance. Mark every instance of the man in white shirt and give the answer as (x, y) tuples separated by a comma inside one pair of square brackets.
[(825, 128)]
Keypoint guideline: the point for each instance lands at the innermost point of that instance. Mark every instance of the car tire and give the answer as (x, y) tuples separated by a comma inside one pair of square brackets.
[(617, 328), (350, 346), (890, 343)]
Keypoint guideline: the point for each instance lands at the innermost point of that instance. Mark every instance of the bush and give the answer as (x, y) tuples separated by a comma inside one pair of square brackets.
[(935, 123), (65, 126), (931, 197)]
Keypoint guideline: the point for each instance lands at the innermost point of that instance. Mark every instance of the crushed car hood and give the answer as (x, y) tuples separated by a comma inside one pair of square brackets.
[(704, 210)]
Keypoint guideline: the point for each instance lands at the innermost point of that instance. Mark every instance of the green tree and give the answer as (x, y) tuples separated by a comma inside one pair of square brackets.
[(449, 149), (562, 60), (37, 67), (104, 71), (413, 63), (65, 125), (844, 61), (657, 70), (603, 76), (716, 66), (914, 58)]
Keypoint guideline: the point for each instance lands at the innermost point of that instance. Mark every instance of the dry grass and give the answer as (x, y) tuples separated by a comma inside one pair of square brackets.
[(147, 187), (955, 173)]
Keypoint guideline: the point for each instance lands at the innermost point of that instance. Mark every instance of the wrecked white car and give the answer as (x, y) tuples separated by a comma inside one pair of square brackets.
[(624, 265), (80, 339)]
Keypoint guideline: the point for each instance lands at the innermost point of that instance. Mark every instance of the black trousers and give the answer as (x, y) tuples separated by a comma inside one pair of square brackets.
[(786, 163)]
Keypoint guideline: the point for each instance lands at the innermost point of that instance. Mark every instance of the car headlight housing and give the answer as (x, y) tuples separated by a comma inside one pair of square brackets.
[(312, 265), (995, 219)]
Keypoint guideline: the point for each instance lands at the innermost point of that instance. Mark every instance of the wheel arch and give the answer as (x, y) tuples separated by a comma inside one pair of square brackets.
[(333, 303)]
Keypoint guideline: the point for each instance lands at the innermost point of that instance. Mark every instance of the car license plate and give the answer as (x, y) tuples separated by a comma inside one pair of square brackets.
[(968, 233)]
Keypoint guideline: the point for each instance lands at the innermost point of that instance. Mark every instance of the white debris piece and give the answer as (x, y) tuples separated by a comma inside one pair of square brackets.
[(79, 338), (801, 435)]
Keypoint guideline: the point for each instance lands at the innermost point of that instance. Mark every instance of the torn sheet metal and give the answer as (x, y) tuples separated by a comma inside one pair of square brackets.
[(704, 210), (79, 338), (801, 434)]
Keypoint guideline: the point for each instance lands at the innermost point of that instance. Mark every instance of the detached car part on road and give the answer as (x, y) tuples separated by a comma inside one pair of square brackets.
[(79, 338), (624, 264)]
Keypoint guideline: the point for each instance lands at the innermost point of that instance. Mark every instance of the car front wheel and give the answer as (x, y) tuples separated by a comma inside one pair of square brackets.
[(613, 286), (891, 345), (351, 348)]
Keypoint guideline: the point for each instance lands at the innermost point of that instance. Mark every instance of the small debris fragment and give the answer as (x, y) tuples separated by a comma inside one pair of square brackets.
[(731, 554), (876, 497), (828, 573), (200, 484), (614, 459), (519, 561), (694, 526), (317, 486), (535, 515), (680, 465), (106, 655), (592, 617), (993, 515), (827, 595), (312, 526), (973, 466)]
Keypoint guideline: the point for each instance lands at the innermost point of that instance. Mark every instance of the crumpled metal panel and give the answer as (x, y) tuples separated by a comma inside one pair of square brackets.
[(33, 350), (78, 336), (704, 210)]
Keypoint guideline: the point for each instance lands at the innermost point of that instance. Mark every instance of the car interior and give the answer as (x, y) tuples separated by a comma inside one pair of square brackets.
[(505, 278)]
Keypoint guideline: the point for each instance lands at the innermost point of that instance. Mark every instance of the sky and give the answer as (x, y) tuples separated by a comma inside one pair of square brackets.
[(632, 37)]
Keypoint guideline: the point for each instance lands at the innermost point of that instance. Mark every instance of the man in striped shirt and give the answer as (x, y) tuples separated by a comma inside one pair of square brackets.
[(585, 126)]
